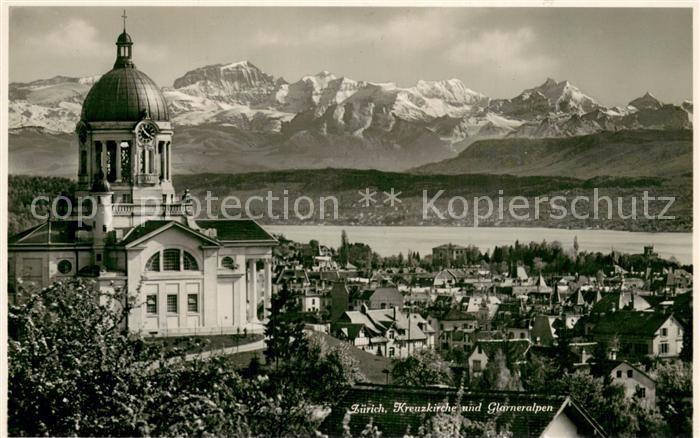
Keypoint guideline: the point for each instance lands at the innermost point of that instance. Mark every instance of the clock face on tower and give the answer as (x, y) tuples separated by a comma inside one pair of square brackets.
[(146, 133)]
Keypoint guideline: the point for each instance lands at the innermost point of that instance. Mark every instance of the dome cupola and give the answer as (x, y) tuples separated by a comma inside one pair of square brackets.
[(124, 94)]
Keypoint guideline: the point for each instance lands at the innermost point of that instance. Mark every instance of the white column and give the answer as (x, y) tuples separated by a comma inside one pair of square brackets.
[(253, 291), (268, 287)]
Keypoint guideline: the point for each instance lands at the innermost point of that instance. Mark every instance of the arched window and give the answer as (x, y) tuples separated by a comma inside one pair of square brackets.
[(227, 262), (153, 263), (171, 260), (190, 264)]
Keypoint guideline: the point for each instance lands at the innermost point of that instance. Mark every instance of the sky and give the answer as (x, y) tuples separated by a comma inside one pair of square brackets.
[(613, 55)]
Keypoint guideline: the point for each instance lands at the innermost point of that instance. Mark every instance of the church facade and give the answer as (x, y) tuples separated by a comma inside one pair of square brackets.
[(130, 232)]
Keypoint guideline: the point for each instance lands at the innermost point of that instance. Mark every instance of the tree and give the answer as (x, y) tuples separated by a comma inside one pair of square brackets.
[(565, 357), (314, 245), (344, 253), (331, 369), (285, 329), (498, 376), (537, 374), (674, 392), (605, 402), (424, 368), (538, 265), (75, 370)]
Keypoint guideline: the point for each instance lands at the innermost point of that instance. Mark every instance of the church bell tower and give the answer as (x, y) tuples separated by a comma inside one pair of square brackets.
[(125, 137)]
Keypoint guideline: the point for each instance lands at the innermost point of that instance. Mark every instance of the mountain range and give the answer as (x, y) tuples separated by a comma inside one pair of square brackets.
[(234, 116)]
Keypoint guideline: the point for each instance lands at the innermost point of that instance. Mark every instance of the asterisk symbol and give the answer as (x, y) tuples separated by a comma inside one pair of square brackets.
[(367, 197), (392, 197)]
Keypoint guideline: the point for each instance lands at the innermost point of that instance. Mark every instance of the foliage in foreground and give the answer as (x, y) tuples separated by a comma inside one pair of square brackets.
[(75, 370)]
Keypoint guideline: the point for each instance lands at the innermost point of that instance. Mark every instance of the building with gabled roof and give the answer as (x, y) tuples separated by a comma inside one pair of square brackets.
[(638, 384), (622, 300), (129, 232), (404, 333), (484, 351), (638, 334)]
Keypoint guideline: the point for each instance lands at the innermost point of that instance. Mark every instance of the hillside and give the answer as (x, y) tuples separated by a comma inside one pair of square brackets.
[(344, 186), (623, 153)]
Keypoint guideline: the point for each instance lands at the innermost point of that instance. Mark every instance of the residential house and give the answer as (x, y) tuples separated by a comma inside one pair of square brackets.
[(638, 333), (315, 300), (485, 350), (385, 298), (450, 326), (391, 332), (449, 255), (637, 383)]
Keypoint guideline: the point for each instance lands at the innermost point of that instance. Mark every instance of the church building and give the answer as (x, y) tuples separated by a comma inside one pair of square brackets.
[(132, 233)]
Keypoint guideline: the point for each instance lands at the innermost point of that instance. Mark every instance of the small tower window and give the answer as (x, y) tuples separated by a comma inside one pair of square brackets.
[(125, 160), (83, 162), (98, 157), (161, 154), (112, 160), (227, 262), (143, 160)]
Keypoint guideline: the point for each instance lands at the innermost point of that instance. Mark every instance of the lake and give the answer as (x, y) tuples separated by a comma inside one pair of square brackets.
[(387, 240)]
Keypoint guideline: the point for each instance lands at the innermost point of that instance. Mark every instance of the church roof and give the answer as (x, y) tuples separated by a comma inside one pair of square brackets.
[(228, 230), (124, 38), (53, 232), (144, 229), (234, 230), (124, 95)]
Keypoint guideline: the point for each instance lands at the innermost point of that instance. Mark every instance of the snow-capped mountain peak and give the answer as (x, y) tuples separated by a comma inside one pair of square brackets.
[(236, 82), (240, 94), (551, 97), (452, 91)]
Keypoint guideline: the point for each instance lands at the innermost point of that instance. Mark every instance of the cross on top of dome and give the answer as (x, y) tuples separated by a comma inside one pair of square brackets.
[(124, 93), (124, 44)]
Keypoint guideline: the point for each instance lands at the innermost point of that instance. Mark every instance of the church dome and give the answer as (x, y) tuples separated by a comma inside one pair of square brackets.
[(124, 94), (124, 38)]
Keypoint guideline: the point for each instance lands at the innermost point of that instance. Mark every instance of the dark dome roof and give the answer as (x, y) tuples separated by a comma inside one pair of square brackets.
[(124, 38), (124, 95)]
